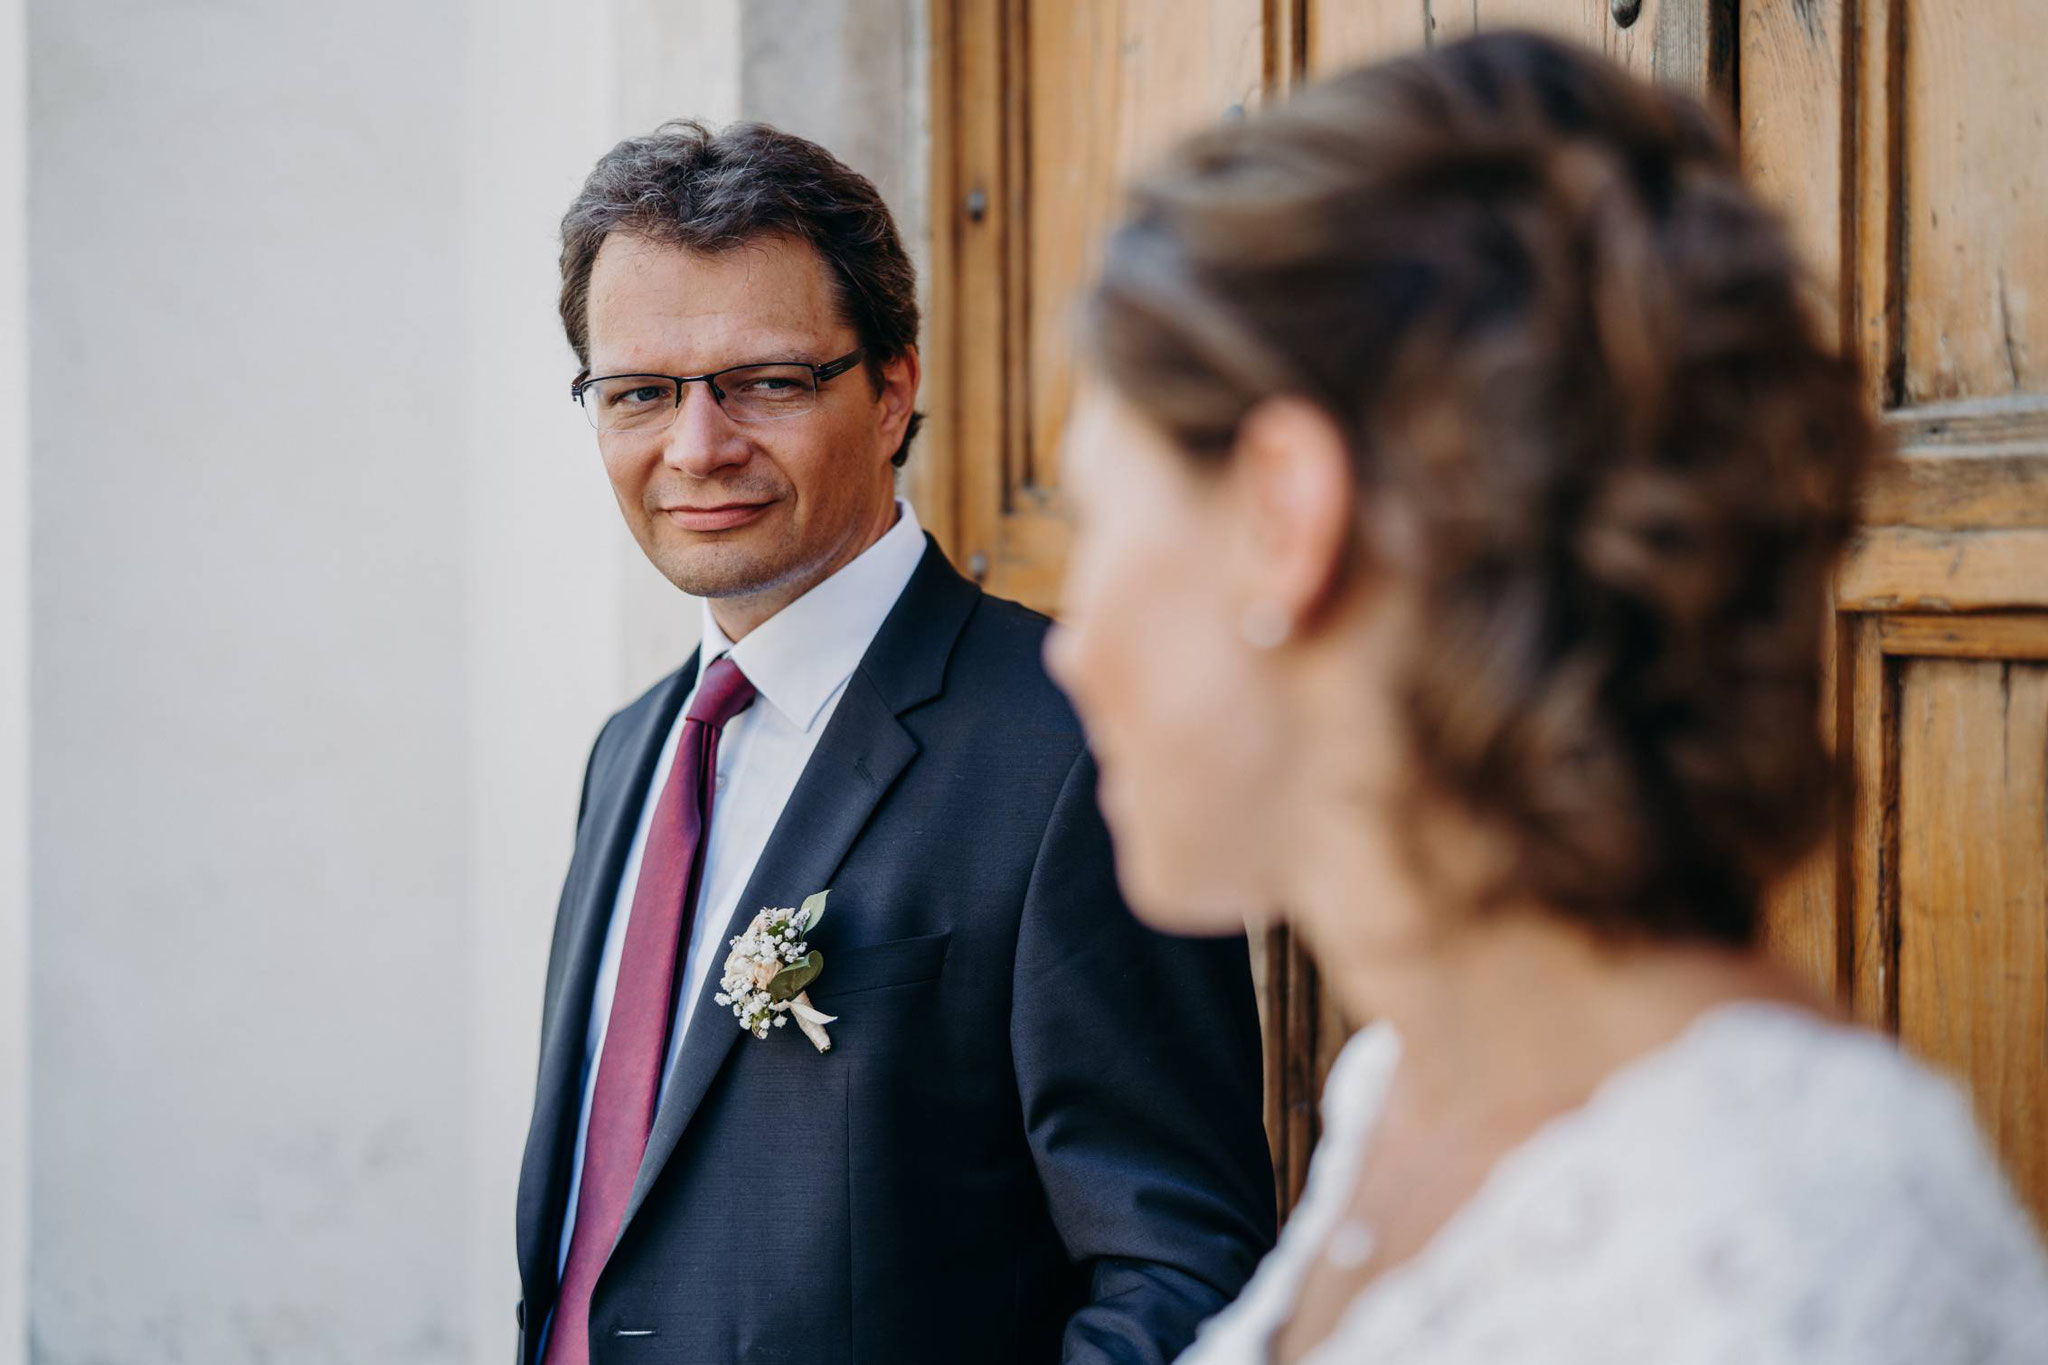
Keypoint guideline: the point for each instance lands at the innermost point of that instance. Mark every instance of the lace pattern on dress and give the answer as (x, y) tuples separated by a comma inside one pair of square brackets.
[(1769, 1187)]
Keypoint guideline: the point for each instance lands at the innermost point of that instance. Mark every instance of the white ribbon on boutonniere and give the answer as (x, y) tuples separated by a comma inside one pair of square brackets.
[(768, 968)]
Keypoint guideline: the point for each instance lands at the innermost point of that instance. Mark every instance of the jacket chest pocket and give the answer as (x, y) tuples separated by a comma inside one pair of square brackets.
[(879, 966)]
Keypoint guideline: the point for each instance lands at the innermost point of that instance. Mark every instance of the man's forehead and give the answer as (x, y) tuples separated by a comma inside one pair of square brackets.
[(651, 297), (769, 275)]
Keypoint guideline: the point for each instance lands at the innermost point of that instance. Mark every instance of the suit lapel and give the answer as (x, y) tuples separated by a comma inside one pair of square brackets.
[(864, 749), (617, 796)]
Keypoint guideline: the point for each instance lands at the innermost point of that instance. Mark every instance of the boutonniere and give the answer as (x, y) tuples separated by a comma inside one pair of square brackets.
[(768, 968)]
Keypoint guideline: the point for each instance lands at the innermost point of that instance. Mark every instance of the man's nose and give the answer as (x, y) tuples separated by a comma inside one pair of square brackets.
[(702, 440)]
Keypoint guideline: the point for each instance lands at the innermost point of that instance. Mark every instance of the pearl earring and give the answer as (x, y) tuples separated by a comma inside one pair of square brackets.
[(1264, 625)]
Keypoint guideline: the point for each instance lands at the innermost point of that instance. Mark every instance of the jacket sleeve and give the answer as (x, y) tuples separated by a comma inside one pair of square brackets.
[(1139, 1068)]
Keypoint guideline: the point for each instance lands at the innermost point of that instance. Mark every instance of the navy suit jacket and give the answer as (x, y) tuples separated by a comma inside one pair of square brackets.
[(1037, 1136)]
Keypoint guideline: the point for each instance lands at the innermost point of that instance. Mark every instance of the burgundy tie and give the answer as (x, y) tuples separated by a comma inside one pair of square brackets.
[(643, 1006)]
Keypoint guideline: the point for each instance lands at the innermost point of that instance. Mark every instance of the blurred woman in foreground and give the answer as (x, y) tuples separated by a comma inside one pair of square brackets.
[(1460, 481)]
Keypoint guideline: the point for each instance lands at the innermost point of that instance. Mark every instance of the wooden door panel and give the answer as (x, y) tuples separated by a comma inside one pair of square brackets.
[(1942, 194), (1139, 74), (1581, 21), (1944, 911), (1928, 912), (1973, 222), (1972, 939), (1689, 42), (1343, 33), (1790, 99)]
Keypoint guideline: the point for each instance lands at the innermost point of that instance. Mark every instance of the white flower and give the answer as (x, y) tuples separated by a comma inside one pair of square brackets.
[(773, 941)]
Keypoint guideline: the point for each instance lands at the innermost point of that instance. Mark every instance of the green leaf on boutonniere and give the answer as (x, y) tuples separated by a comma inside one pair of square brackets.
[(788, 983), (813, 909)]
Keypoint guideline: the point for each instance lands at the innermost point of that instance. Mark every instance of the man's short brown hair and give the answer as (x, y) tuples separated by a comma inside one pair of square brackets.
[(684, 185)]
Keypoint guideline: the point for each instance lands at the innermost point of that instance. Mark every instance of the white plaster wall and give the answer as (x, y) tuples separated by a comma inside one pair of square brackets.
[(250, 681), (14, 970), (854, 75)]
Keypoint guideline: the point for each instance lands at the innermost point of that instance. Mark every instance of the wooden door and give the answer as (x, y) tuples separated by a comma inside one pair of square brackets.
[(1905, 142)]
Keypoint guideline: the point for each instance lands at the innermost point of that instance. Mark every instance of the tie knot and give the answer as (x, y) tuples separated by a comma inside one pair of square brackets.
[(724, 693)]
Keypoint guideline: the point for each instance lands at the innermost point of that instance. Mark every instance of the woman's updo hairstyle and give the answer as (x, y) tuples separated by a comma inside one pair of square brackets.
[(1561, 336)]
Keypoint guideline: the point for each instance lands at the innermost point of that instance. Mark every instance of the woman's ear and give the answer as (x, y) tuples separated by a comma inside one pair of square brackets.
[(1297, 489)]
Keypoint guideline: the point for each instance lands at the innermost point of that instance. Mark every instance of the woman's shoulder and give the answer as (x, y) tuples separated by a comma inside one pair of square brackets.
[(1770, 1187), (1836, 1190), (1789, 1098)]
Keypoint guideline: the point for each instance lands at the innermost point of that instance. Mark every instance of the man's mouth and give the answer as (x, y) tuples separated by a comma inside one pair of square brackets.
[(723, 516)]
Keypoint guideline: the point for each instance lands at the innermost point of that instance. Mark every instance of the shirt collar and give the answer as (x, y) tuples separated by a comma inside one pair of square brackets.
[(798, 658)]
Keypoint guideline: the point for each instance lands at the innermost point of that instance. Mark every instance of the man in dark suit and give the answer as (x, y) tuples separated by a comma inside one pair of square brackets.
[(1036, 1133)]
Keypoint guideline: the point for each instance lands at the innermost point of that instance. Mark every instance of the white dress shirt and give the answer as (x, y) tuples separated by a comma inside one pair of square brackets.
[(799, 661)]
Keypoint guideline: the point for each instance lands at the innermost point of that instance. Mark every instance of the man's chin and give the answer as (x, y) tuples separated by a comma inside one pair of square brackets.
[(727, 570)]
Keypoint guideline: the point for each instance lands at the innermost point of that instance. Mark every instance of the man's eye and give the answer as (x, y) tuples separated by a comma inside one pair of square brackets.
[(768, 386), (640, 395)]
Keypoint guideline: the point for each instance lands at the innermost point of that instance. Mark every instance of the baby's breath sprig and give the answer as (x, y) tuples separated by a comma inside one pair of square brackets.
[(769, 967)]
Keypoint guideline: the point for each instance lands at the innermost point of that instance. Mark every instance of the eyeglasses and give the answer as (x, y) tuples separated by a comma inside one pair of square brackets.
[(746, 393)]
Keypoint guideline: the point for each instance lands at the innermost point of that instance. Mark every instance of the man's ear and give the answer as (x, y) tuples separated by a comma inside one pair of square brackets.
[(901, 375), (1296, 485)]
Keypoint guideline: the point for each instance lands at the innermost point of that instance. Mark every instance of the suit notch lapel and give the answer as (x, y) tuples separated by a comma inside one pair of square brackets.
[(859, 757)]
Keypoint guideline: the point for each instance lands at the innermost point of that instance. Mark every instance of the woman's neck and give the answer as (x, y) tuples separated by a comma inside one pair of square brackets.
[(1512, 1008)]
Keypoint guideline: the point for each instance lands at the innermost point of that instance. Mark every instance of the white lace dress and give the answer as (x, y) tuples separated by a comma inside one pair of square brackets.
[(1768, 1188)]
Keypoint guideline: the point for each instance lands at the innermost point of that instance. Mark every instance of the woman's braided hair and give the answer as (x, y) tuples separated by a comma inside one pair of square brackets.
[(1560, 334)]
